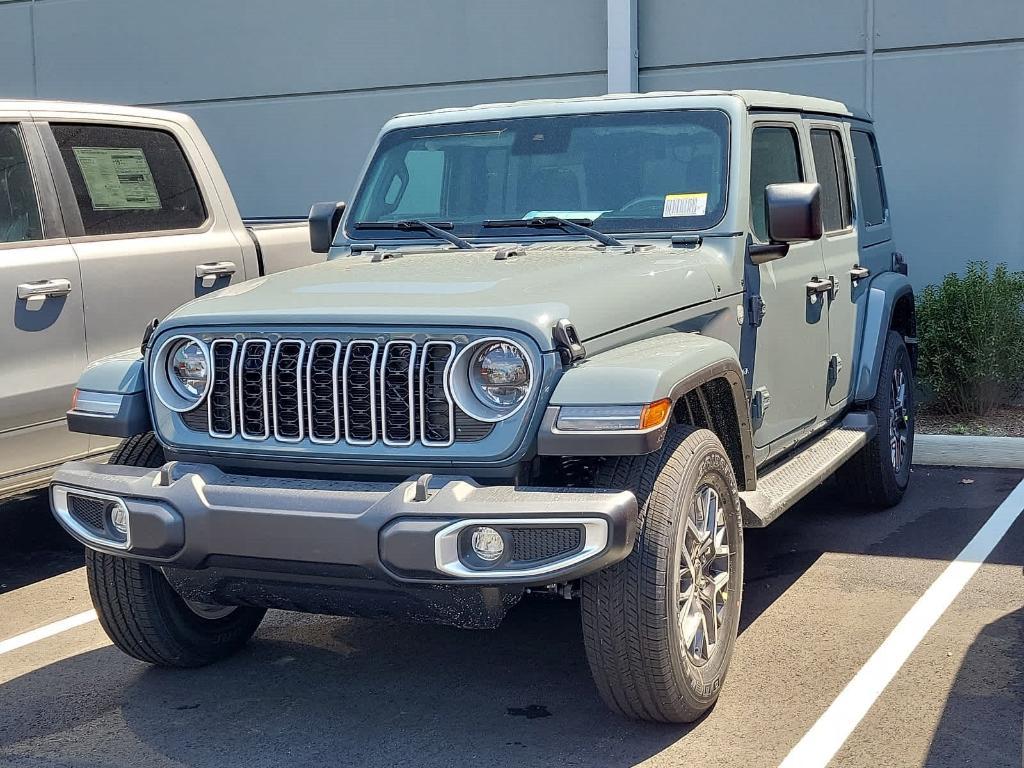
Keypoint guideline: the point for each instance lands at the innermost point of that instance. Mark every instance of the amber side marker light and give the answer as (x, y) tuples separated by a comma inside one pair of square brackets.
[(655, 414)]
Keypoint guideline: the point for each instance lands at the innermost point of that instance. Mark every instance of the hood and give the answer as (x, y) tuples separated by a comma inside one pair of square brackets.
[(598, 289)]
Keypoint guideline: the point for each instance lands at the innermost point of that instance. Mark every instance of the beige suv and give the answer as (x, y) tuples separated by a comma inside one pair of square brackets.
[(109, 217)]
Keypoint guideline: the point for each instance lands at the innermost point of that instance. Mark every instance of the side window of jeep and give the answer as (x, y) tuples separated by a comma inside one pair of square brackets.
[(830, 166), (870, 186), (774, 159)]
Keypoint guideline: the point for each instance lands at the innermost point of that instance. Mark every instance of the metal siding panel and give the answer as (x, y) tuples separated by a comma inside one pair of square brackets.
[(948, 135), (673, 32), (130, 52), (281, 155), (905, 23), (16, 50), (832, 77)]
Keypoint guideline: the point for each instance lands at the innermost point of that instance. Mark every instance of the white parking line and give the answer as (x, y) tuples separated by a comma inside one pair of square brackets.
[(27, 638), (820, 744)]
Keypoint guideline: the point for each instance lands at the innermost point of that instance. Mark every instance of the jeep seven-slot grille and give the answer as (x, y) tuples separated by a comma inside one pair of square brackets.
[(358, 392)]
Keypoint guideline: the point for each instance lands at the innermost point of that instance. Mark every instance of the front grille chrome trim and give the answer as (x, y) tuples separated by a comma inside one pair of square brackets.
[(298, 390), (263, 378), (445, 377), (231, 389), (411, 400), (334, 390), (373, 392)]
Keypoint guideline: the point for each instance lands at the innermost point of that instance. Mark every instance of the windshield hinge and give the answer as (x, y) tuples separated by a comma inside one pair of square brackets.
[(570, 348), (687, 241)]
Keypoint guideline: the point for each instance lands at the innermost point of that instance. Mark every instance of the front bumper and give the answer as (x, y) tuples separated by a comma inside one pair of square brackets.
[(194, 517)]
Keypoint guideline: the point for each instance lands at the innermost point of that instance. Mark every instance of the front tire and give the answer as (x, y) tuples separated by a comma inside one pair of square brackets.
[(660, 626), (141, 612)]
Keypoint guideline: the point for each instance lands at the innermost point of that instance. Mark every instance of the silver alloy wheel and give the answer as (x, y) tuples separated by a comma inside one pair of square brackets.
[(703, 575), (210, 611), (899, 420)]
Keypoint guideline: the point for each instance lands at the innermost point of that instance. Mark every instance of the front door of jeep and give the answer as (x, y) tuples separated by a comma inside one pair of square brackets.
[(786, 329)]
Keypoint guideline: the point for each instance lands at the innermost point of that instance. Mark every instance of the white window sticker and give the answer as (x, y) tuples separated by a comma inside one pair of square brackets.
[(117, 179), (690, 204)]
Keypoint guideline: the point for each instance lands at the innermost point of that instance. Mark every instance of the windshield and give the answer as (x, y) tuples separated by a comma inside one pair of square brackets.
[(622, 171)]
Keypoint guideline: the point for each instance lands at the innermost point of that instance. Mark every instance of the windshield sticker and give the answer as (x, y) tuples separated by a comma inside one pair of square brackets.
[(592, 215), (690, 204), (117, 179)]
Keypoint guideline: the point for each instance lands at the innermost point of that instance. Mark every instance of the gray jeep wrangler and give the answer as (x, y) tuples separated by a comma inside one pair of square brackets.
[(563, 347)]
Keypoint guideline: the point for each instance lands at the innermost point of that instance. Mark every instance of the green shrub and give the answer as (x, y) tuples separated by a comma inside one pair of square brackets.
[(971, 331)]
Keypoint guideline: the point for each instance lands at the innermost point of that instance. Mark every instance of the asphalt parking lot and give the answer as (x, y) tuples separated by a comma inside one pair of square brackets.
[(826, 585)]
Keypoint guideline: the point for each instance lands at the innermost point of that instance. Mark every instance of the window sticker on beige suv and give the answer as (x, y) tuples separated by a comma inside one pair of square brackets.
[(117, 179)]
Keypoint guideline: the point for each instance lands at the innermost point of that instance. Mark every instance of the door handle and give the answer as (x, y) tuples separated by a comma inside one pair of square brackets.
[(818, 285), (859, 273), (58, 287), (216, 269)]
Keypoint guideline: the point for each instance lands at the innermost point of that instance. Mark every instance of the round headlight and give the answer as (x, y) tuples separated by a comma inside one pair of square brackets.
[(500, 375), (187, 370)]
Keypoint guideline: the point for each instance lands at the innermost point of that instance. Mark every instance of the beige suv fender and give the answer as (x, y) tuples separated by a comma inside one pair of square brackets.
[(700, 375)]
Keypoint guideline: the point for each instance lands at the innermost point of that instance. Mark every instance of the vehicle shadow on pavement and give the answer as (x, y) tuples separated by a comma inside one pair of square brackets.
[(325, 691), (33, 547), (987, 698), (941, 512)]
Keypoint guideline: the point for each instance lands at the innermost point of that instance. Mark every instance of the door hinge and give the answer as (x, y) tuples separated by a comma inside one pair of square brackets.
[(756, 310), (759, 403), (835, 367)]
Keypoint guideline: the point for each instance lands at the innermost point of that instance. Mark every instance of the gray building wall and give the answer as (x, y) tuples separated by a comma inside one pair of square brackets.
[(291, 94)]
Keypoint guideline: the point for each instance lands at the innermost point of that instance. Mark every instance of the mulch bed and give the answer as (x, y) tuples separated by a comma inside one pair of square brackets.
[(1005, 421)]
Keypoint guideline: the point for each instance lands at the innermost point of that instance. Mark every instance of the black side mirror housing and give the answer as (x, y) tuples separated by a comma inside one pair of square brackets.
[(324, 219), (794, 212)]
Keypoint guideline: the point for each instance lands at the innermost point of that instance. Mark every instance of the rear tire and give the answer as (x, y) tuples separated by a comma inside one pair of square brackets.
[(647, 621), (878, 475), (141, 612)]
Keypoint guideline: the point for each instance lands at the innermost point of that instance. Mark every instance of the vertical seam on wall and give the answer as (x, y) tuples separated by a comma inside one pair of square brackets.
[(32, 35), (869, 57)]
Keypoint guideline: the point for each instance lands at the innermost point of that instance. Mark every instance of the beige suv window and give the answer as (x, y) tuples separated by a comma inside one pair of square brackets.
[(19, 210), (129, 179)]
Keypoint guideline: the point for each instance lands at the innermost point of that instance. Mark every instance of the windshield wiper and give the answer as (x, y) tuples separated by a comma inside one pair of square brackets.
[(436, 228), (580, 226)]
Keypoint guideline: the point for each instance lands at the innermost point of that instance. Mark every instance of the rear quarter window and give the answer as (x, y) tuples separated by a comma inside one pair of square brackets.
[(129, 180), (870, 187)]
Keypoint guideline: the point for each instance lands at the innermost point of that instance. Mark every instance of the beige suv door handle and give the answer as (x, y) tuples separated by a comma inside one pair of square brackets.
[(216, 269), (58, 287)]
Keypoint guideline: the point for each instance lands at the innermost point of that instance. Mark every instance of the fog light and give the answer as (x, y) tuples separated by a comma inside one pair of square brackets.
[(119, 518), (487, 544)]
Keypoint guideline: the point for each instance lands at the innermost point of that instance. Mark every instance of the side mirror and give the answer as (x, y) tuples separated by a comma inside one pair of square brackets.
[(324, 219), (794, 212)]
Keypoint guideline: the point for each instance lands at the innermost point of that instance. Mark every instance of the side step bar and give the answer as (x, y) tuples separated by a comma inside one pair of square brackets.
[(784, 485)]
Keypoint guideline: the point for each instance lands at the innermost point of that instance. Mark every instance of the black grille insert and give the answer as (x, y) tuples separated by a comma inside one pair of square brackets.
[(438, 421), (287, 390), (360, 392), (90, 512), (396, 381), (324, 423), (252, 388), (222, 396), (531, 544)]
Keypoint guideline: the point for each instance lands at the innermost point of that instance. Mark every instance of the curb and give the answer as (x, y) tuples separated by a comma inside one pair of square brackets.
[(969, 451)]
